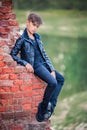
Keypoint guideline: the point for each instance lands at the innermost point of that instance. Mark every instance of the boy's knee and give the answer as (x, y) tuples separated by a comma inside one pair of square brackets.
[(60, 78), (54, 83)]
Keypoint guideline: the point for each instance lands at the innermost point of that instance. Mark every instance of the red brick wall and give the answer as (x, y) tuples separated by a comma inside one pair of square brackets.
[(20, 92)]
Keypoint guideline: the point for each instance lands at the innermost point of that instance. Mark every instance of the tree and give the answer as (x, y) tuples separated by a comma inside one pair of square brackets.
[(38, 4)]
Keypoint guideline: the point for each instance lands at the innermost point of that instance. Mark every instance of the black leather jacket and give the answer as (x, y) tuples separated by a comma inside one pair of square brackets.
[(24, 46)]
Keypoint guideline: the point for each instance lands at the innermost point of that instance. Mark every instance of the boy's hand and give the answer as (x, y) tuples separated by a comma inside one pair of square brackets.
[(29, 68), (53, 74)]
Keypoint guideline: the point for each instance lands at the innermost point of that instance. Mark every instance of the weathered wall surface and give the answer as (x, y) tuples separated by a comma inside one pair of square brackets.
[(20, 91)]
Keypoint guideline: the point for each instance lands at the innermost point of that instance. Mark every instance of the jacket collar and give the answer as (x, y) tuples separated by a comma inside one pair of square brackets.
[(26, 37)]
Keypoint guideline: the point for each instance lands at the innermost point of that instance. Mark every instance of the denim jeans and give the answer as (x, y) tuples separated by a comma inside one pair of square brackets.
[(54, 85)]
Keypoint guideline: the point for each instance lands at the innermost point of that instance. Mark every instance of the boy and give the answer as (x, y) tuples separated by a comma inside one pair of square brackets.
[(35, 59)]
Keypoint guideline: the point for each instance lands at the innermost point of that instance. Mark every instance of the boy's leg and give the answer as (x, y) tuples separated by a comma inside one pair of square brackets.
[(45, 75), (60, 82)]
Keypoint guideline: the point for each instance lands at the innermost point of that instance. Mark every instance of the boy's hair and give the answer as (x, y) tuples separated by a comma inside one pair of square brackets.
[(34, 18)]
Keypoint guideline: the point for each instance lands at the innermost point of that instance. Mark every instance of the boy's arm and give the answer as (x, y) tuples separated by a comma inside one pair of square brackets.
[(16, 50)]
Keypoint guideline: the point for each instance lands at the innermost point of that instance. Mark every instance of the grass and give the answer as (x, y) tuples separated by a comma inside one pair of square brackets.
[(71, 112), (62, 32)]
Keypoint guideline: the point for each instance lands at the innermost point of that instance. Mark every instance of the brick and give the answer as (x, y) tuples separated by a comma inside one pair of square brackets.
[(25, 76), (34, 103), (8, 70), (27, 82), (7, 115), (10, 101), (20, 69), (4, 23), (4, 35), (15, 115), (2, 29), (32, 75), (24, 101), (12, 23), (9, 16), (1, 16), (41, 91), (9, 61), (26, 88), (26, 107), (2, 90), (5, 16), (4, 9), (6, 83), (18, 82), (1, 51), (15, 89), (18, 95), (2, 43), (2, 64), (17, 108), (5, 89), (17, 127), (3, 102), (13, 76), (37, 85), (36, 79), (34, 110), (37, 126), (35, 92), (2, 108), (0, 70), (10, 108), (7, 3), (1, 57), (7, 29), (22, 114), (4, 76), (6, 95), (27, 94), (38, 98), (0, 117)]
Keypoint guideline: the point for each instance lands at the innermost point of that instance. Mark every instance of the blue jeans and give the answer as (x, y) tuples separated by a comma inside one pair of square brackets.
[(53, 85)]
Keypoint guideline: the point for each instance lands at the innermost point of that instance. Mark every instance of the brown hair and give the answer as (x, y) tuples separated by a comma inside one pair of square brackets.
[(34, 18)]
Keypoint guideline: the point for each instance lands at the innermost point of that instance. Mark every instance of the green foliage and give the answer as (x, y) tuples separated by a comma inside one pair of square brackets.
[(77, 65), (54, 4)]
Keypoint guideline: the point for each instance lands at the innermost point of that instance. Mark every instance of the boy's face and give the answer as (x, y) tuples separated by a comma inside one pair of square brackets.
[(32, 27)]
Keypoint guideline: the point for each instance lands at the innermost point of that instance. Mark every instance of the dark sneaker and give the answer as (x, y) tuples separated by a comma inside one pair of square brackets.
[(39, 114), (48, 113), (44, 114)]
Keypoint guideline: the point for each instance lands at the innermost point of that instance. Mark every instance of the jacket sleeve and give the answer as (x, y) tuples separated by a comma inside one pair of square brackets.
[(15, 50), (47, 59)]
